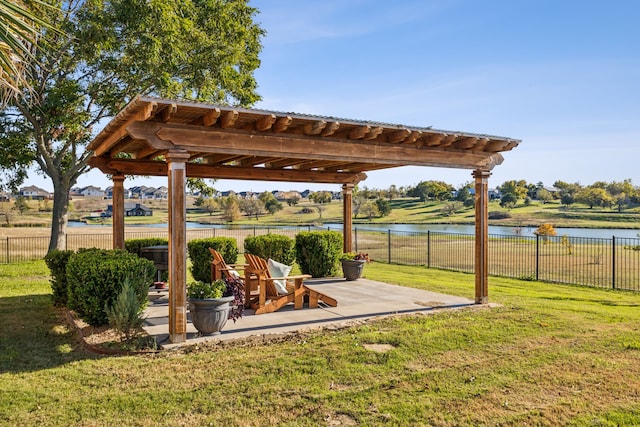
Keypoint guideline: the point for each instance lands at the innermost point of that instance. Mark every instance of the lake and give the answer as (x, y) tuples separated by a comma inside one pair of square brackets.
[(604, 233)]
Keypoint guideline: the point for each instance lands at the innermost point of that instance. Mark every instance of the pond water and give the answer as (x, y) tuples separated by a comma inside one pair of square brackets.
[(604, 233)]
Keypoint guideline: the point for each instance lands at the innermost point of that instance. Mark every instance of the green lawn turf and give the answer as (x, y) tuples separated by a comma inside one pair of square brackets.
[(547, 355)]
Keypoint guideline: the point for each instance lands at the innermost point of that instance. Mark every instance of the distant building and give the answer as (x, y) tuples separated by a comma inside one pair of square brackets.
[(34, 193), (130, 209), (91, 191)]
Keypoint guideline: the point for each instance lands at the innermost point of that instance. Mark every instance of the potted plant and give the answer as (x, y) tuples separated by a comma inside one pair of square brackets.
[(353, 264), (208, 307)]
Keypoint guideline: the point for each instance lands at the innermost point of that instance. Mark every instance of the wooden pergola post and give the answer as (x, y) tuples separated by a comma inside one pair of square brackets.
[(482, 235), (117, 211), (347, 214), (177, 178)]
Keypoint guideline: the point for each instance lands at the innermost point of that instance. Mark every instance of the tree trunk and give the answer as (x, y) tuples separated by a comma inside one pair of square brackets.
[(60, 215)]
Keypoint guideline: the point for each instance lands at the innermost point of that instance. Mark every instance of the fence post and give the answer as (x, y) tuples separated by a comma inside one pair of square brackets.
[(537, 257), (389, 244), (8, 261), (355, 234), (428, 248), (613, 262)]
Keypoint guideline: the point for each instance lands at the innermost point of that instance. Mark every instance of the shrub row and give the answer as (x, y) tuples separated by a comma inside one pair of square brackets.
[(201, 258)]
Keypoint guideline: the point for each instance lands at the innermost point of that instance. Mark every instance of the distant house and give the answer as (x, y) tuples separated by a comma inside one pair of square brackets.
[(91, 191), (160, 193), (130, 209), (34, 193), (109, 193)]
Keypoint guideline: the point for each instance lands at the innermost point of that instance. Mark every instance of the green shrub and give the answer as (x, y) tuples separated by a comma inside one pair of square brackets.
[(318, 252), (125, 315), (275, 246), (57, 261), (95, 278), (134, 245), (201, 257)]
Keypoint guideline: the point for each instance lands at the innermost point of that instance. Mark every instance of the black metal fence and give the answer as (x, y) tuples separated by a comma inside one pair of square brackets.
[(606, 263)]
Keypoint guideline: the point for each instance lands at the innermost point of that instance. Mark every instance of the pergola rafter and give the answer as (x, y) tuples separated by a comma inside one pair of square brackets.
[(180, 139)]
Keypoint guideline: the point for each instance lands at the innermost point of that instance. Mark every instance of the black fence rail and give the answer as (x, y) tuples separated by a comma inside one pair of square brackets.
[(606, 263)]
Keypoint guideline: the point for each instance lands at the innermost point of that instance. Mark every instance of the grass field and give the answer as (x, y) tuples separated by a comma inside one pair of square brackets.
[(547, 355)]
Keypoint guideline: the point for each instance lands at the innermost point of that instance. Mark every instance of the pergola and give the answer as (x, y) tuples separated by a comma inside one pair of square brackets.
[(180, 139)]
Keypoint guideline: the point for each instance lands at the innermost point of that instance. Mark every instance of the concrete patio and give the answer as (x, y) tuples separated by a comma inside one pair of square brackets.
[(358, 300)]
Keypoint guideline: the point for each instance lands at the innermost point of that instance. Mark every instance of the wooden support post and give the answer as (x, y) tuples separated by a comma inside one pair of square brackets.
[(482, 235), (117, 211), (177, 245), (347, 214)]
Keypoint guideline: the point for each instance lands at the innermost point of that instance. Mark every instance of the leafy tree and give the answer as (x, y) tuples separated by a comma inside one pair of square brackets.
[(508, 200), (369, 209), (111, 51), (384, 207), (517, 188), (594, 196), (293, 201), (431, 190), (321, 197), (393, 192), (544, 195), (252, 207), (463, 193), (450, 208), (320, 208), (20, 205), (545, 230), (230, 208)]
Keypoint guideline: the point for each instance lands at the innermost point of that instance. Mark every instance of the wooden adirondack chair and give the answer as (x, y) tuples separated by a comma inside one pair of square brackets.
[(220, 269), (296, 290)]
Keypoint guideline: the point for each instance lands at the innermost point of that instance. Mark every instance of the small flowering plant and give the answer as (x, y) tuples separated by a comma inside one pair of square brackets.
[(352, 256), (202, 290)]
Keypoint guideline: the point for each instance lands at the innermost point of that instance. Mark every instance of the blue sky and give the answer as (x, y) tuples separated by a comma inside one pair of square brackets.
[(562, 76)]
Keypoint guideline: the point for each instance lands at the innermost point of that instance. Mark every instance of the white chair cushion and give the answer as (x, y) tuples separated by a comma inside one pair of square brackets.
[(277, 269), (234, 274)]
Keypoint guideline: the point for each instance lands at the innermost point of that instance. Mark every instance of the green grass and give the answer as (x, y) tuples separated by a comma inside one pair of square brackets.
[(547, 355)]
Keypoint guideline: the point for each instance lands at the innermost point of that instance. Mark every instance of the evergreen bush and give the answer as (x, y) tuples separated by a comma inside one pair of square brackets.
[(125, 315), (95, 278), (318, 252), (57, 261), (201, 257), (275, 246)]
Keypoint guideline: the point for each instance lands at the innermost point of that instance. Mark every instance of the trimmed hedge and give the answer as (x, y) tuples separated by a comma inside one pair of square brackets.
[(95, 278), (134, 245), (201, 257), (318, 252), (57, 261), (275, 246)]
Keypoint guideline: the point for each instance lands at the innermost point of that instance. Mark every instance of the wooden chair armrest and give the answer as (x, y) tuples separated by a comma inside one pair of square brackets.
[(300, 276)]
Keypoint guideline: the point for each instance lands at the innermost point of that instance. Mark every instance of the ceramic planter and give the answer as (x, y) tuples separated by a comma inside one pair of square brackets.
[(352, 269), (209, 315)]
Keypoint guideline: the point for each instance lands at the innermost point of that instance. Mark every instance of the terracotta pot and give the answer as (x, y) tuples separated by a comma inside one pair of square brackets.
[(209, 315)]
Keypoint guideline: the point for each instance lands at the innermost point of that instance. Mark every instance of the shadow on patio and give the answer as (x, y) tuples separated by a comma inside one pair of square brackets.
[(358, 300)]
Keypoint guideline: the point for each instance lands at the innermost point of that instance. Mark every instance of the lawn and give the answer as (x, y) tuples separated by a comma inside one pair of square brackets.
[(546, 355)]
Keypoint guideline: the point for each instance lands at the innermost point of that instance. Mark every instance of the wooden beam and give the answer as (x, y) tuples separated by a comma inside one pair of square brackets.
[(263, 123), (117, 134), (282, 124), (314, 128), (398, 136), (233, 141), (330, 129), (228, 119), (359, 132), (482, 236), (211, 117), (168, 112), (373, 133), (413, 137), (199, 170), (465, 143)]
